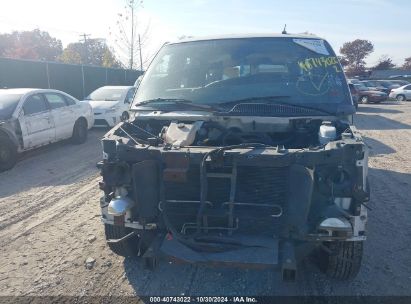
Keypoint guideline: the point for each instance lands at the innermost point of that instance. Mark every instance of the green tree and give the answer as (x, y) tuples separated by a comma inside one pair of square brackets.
[(343, 61), (36, 45), (407, 64), (355, 52), (109, 60), (70, 55), (92, 51), (5, 42), (384, 63)]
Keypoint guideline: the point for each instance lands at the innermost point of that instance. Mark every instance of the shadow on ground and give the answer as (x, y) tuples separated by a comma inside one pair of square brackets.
[(362, 122), (57, 164), (377, 147), (170, 279), (367, 109)]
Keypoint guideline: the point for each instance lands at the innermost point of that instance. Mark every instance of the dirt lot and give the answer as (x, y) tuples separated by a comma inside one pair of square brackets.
[(49, 226)]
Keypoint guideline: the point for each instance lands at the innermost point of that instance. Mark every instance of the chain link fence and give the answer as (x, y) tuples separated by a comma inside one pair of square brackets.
[(76, 80)]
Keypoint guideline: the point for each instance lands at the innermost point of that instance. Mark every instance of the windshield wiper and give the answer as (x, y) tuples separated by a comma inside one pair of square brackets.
[(255, 99), (276, 102), (155, 100), (179, 101)]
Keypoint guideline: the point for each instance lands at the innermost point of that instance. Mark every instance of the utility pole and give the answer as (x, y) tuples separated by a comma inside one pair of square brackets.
[(84, 40), (131, 5), (84, 36), (141, 56)]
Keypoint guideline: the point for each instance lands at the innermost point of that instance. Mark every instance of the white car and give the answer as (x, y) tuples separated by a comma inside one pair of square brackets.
[(30, 118), (402, 93), (111, 104)]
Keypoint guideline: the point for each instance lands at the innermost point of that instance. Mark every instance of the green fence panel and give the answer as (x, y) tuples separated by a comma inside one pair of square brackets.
[(94, 77), (131, 76), (22, 74), (75, 80), (116, 77), (67, 78)]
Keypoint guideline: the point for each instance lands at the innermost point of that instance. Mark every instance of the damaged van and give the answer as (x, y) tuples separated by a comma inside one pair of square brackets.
[(240, 151)]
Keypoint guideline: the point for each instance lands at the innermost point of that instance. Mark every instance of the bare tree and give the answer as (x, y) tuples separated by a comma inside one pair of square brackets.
[(130, 37)]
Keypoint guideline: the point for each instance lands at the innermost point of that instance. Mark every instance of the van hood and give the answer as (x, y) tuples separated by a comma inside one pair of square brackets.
[(102, 104)]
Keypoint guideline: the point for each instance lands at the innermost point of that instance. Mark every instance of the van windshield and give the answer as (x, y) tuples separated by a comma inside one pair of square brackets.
[(303, 71)]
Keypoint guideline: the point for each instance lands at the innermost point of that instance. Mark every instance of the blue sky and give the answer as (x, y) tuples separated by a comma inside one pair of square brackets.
[(387, 23)]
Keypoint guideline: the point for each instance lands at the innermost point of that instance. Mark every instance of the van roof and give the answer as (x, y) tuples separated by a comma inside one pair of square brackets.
[(239, 36)]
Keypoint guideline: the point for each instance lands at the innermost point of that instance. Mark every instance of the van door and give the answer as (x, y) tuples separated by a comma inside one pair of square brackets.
[(36, 122)]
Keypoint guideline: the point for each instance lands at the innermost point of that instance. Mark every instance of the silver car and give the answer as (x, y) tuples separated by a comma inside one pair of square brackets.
[(402, 93)]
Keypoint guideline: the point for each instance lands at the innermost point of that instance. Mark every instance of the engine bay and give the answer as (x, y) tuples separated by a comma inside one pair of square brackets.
[(288, 134)]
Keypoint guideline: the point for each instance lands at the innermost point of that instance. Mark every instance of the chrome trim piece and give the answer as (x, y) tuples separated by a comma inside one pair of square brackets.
[(119, 206), (114, 241), (133, 225)]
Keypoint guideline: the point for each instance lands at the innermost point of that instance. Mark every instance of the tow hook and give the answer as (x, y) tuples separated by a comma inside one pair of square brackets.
[(289, 264)]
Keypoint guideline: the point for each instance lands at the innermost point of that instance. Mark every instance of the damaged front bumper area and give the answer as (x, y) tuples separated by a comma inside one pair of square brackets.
[(247, 205)]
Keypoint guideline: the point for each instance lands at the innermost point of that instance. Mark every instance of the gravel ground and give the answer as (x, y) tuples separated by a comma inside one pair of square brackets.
[(49, 226)]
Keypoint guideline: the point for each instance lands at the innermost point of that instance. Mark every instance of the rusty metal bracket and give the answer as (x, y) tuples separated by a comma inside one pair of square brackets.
[(176, 167)]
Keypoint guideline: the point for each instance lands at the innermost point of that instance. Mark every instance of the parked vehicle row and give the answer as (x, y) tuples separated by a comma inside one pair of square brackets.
[(370, 90)]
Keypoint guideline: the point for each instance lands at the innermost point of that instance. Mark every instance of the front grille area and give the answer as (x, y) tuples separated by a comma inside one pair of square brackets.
[(254, 185), (259, 186)]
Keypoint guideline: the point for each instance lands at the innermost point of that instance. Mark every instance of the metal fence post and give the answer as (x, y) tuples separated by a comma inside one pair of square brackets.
[(48, 75), (84, 85)]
